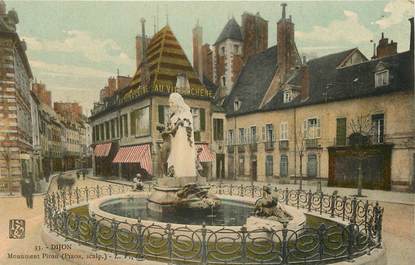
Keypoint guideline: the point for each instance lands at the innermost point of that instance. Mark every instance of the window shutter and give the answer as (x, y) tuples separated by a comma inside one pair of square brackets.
[(161, 113), (133, 122), (305, 130), (263, 133), (220, 129), (202, 120), (318, 128)]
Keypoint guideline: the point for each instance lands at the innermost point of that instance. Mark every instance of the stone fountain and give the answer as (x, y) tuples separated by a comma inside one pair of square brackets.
[(180, 185)]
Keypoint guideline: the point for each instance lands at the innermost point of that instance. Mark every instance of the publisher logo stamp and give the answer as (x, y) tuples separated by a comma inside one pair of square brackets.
[(17, 228)]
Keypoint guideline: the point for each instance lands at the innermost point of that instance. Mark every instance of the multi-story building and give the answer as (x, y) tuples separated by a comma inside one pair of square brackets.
[(124, 126), (287, 118), (15, 125)]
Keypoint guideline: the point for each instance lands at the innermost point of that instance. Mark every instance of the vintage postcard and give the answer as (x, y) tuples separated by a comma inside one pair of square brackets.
[(207, 132)]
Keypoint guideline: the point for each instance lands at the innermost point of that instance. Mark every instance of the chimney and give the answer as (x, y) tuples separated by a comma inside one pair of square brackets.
[(287, 54), (385, 48), (197, 50), (284, 5), (411, 45), (144, 68)]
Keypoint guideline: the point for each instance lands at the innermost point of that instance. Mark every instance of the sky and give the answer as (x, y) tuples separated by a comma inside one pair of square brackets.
[(74, 46)]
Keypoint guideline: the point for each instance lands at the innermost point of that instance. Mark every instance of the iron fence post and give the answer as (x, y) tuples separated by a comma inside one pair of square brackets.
[(110, 190), (169, 243), (77, 195), (332, 204), (354, 205), (65, 222), (78, 228), (243, 244), (86, 193), (94, 230), (204, 250), (344, 207), (378, 224), (350, 245), (97, 191), (114, 228), (230, 189), (321, 202), (286, 196), (321, 232), (220, 188), (253, 190), (140, 240), (298, 199), (366, 210), (369, 228), (64, 199), (309, 195), (284, 246), (242, 190)]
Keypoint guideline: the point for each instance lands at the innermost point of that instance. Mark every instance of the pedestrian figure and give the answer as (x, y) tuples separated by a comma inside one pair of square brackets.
[(27, 188), (83, 173), (138, 182), (78, 174)]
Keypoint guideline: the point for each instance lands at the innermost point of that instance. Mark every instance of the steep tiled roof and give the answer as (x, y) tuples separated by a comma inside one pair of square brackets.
[(327, 82), (231, 31), (166, 59), (253, 82)]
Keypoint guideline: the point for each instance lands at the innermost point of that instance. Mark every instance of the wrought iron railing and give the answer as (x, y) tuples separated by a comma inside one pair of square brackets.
[(321, 244)]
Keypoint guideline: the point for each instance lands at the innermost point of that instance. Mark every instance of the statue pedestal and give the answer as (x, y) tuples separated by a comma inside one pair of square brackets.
[(164, 197)]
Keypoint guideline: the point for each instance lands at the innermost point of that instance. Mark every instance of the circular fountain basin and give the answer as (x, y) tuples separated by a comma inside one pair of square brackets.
[(233, 213)]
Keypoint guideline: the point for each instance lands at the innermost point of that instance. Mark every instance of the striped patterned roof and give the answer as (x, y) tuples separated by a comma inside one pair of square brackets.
[(166, 59)]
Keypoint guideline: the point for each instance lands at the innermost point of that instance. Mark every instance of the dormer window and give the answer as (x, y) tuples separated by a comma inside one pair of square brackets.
[(382, 78), (287, 96), (223, 50), (236, 105), (235, 49)]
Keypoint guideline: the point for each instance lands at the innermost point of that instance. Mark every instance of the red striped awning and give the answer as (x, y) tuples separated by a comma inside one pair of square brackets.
[(102, 149), (206, 155), (135, 154)]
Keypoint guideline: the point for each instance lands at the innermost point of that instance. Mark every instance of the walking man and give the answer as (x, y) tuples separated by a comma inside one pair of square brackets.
[(83, 173), (28, 189)]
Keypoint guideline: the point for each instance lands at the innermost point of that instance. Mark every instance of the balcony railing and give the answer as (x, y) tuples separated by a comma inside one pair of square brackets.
[(241, 148), (311, 143), (283, 145), (357, 141), (269, 145)]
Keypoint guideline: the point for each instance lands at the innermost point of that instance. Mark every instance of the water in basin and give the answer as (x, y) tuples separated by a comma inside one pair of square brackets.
[(229, 213)]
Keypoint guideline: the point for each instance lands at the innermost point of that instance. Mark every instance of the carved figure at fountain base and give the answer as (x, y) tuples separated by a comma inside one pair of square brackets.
[(267, 207)]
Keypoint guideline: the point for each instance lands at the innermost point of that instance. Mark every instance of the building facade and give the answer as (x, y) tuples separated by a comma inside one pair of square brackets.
[(290, 119), (125, 131), (16, 126)]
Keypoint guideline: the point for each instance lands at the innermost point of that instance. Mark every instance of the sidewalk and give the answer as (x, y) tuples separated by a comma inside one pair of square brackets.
[(371, 195)]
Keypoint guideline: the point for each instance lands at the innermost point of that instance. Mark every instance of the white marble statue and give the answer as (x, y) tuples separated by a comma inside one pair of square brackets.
[(181, 159)]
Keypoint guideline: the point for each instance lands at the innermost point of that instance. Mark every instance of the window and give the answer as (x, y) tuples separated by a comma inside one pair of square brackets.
[(341, 131), (312, 128), (382, 78), (196, 119), (241, 165), (287, 96), (125, 118), (312, 166), (253, 135), (241, 136), (269, 133), (107, 130), (236, 105), (284, 166), (117, 127), (269, 167), (284, 131), (378, 124), (218, 129), (112, 128), (235, 49), (163, 114), (121, 128), (223, 81), (143, 122), (223, 50), (230, 137)]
